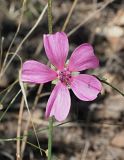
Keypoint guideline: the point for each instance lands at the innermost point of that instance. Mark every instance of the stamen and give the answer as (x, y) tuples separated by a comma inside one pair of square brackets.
[(65, 76)]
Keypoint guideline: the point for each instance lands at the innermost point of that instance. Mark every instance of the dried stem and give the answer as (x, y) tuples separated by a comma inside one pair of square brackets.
[(18, 151), (20, 22), (69, 15), (24, 39), (92, 15), (29, 119)]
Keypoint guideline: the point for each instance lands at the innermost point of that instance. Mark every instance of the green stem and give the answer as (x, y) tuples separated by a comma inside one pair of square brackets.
[(107, 83), (50, 133), (50, 16)]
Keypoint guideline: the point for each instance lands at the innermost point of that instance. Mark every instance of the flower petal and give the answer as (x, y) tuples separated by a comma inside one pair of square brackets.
[(59, 102), (36, 72), (83, 58), (56, 47), (86, 87)]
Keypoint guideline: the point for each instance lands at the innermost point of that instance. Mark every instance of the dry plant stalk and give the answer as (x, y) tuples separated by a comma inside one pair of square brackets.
[(18, 143), (69, 15), (24, 39), (91, 16)]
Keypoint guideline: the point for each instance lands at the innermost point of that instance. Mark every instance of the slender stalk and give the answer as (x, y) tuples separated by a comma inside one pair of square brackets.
[(12, 101), (18, 29), (23, 145), (1, 52), (18, 143), (91, 16), (50, 135), (50, 16), (24, 39), (50, 131), (69, 15), (113, 87)]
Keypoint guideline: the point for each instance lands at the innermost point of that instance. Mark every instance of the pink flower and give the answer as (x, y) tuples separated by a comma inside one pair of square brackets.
[(85, 87)]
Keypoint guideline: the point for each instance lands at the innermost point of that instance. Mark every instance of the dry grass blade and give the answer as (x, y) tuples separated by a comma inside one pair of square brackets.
[(26, 103), (18, 152), (85, 150), (91, 16), (12, 101), (69, 15), (28, 122), (25, 38), (1, 52), (6, 89), (29, 119), (20, 22)]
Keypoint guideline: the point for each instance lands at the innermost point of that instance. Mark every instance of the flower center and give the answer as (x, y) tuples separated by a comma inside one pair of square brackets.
[(65, 76)]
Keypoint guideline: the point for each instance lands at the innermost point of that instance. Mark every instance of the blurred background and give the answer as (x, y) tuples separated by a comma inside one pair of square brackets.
[(94, 130)]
